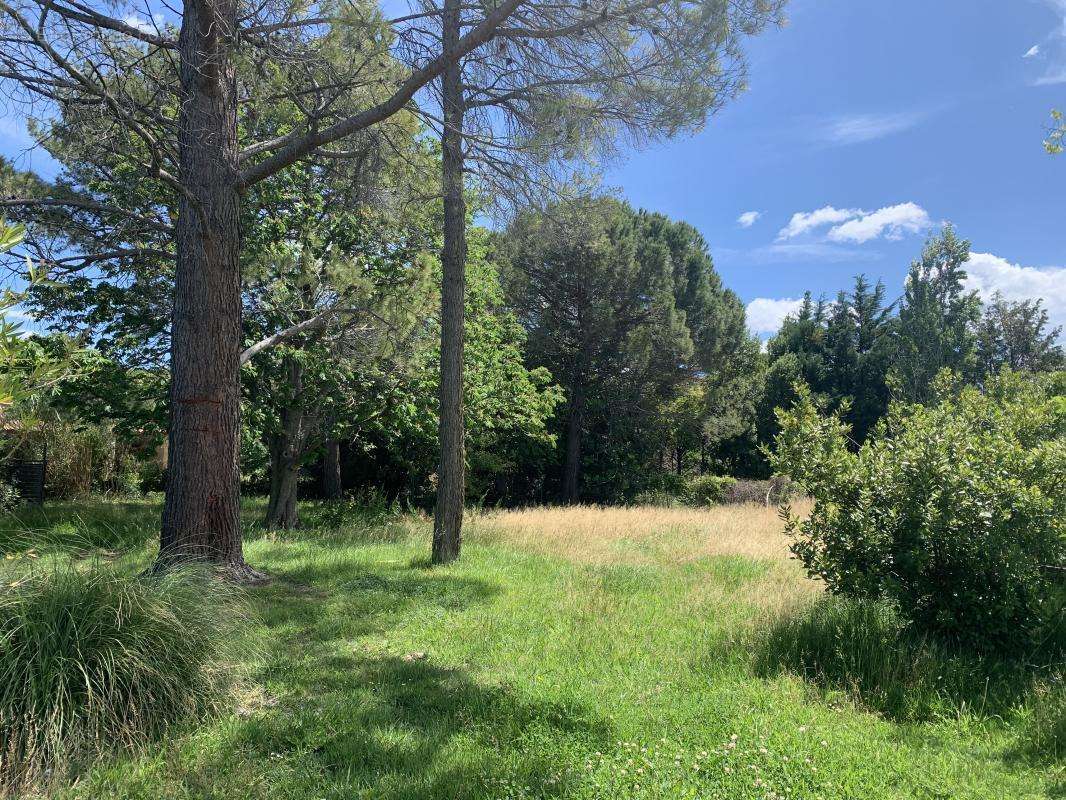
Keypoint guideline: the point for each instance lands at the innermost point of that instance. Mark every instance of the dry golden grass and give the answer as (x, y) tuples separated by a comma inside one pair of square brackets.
[(642, 534)]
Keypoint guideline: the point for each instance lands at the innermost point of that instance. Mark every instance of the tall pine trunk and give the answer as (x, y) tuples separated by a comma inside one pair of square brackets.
[(574, 424), (332, 485), (201, 516), (286, 452), (451, 477)]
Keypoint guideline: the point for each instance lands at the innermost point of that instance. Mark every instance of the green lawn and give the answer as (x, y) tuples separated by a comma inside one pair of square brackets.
[(519, 672)]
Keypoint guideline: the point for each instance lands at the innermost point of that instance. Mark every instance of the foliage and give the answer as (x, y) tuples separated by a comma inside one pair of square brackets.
[(627, 312), (955, 511), (708, 490), (1016, 336), (27, 376), (937, 319), (9, 496), (1056, 134), (94, 661)]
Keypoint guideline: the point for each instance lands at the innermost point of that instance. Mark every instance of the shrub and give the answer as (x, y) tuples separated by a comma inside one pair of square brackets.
[(91, 660), (956, 512), (708, 490)]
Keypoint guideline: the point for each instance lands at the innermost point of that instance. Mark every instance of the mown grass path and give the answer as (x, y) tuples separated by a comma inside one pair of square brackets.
[(613, 666)]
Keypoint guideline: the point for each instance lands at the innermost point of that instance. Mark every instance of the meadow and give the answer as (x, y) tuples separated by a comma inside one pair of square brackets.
[(572, 652)]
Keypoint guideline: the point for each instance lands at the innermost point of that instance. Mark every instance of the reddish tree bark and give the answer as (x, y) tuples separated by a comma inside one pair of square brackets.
[(451, 477), (201, 516)]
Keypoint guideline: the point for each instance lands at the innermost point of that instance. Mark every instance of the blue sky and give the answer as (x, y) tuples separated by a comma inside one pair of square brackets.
[(915, 112), (885, 118)]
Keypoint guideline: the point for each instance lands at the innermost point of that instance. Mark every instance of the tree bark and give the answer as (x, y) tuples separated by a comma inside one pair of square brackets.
[(574, 424), (332, 485), (451, 476), (201, 515), (286, 452)]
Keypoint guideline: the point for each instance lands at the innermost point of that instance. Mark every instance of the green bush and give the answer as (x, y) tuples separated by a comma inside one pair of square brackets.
[(956, 512), (92, 661), (708, 490)]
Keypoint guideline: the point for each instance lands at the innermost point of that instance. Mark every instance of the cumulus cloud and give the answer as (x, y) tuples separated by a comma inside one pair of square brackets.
[(988, 273), (805, 221), (765, 314), (890, 222), (857, 128), (748, 218)]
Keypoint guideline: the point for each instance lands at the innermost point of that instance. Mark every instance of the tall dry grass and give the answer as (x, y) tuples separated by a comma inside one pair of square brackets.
[(641, 534)]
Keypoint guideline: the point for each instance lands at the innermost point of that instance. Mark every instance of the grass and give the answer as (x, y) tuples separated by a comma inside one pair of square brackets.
[(576, 653), (96, 661)]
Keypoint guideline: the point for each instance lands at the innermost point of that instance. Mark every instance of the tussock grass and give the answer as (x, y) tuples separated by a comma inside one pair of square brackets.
[(648, 534), (92, 661)]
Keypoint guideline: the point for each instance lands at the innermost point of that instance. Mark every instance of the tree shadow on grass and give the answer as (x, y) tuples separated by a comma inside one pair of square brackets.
[(393, 728), (350, 721), (322, 602)]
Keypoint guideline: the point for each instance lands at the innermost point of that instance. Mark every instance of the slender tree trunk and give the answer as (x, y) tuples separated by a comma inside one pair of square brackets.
[(201, 516), (286, 452), (332, 486), (574, 424), (451, 477)]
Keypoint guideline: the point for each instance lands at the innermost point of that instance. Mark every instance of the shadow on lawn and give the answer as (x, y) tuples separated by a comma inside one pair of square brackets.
[(386, 726)]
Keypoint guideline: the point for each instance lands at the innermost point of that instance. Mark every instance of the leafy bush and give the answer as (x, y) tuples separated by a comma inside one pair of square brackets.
[(956, 512), (866, 650), (91, 660), (708, 490)]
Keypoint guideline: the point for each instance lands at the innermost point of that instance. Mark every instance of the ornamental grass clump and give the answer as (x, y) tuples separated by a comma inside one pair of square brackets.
[(93, 661)]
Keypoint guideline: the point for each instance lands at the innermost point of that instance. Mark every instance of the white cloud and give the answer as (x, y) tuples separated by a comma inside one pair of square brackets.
[(748, 218), (765, 314), (890, 222), (988, 273), (810, 251), (856, 128), (1052, 50), (1052, 77), (805, 221), (141, 24), (18, 314)]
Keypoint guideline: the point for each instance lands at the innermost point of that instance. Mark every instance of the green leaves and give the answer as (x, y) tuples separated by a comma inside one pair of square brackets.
[(956, 510)]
